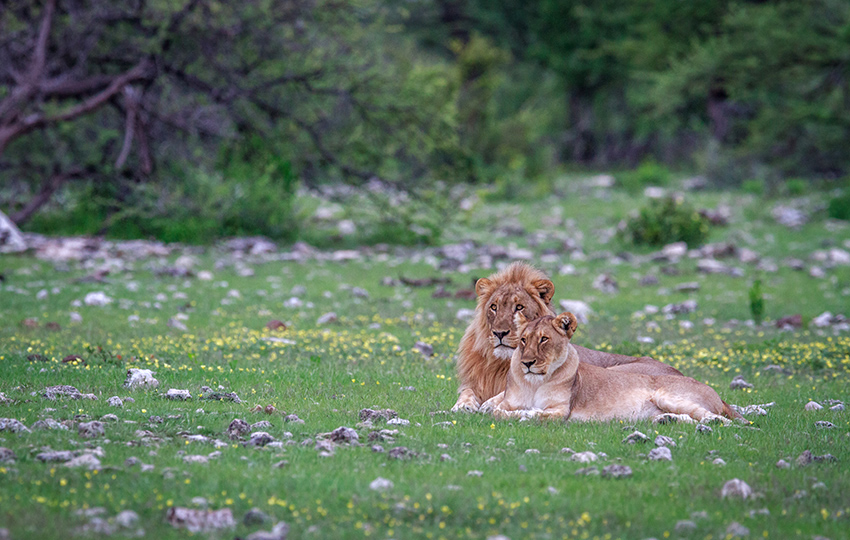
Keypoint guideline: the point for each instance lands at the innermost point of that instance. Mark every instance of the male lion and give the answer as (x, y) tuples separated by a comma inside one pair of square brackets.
[(487, 346), (547, 380)]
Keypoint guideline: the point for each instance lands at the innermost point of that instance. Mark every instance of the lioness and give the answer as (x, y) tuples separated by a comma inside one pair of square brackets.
[(485, 350), (547, 380)]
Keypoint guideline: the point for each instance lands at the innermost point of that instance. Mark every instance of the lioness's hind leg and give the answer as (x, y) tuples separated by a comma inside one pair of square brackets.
[(678, 406)]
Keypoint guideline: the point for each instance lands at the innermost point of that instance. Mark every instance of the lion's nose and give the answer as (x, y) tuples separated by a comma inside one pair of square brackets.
[(501, 335), (529, 364)]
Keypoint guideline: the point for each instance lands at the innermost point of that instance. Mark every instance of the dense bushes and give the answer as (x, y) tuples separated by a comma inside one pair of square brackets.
[(664, 221)]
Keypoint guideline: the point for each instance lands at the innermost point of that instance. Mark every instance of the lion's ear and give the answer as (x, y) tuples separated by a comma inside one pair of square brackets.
[(520, 319), (545, 289), (483, 287), (566, 324)]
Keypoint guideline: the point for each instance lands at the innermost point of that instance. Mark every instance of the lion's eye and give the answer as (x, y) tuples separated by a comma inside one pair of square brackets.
[(519, 307), (493, 307), (543, 340), (522, 340)]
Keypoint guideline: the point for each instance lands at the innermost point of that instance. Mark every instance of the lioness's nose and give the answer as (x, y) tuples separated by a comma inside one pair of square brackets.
[(529, 364), (501, 335)]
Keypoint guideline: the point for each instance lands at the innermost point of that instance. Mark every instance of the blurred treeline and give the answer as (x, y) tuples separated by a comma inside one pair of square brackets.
[(191, 119)]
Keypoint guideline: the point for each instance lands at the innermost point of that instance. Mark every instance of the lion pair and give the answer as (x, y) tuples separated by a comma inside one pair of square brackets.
[(516, 360)]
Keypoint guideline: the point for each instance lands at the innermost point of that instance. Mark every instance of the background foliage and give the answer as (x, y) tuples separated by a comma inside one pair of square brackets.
[(213, 116)]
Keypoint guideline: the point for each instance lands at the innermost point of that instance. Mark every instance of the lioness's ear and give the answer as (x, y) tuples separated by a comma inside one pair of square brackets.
[(545, 289), (483, 286), (566, 324), (520, 319)]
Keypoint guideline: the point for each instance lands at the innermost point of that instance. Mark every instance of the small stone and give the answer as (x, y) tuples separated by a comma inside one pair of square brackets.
[(275, 326), (344, 435), (115, 401), (736, 488), (782, 464), (260, 438), (636, 437), (425, 349), (532, 451), (49, 423), (109, 418), (281, 464), (664, 440), (446, 457), (380, 484), (238, 428), (735, 529), (255, 516), (279, 532), (194, 458), (200, 520), (178, 395), (400, 452), (684, 526), (837, 408), (377, 448), (661, 453), (617, 471), (702, 428), (13, 425), (738, 383), (7, 456), (398, 422), (293, 418), (475, 473), (55, 456), (90, 430), (823, 424), (87, 461), (584, 457), (127, 519), (97, 298), (140, 378), (813, 406), (593, 470), (719, 462), (327, 318)]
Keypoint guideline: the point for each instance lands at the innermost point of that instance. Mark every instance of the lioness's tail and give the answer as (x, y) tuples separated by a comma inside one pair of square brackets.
[(731, 413)]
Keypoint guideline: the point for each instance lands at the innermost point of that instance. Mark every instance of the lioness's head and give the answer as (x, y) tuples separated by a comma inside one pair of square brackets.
[(543, 342), (517, 289)]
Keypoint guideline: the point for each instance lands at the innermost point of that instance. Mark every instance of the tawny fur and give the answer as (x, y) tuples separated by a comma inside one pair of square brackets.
[(547, 380), (482, 370)]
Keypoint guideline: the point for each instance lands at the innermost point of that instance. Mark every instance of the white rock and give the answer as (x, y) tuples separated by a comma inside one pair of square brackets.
[(85, 460), (177, 394), (115, 401), (327, 318), (813, 406), (736, 488), (661, 453), (584, 457), (823, 320), (380, 484), (140, 378), (97, 298)]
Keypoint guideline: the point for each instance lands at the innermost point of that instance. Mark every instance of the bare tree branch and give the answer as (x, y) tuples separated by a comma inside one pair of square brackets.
[(48, 188)]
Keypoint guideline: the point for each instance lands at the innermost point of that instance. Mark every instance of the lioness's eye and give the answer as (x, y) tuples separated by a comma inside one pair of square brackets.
[(522, 340), (543, 340), (493, 307), (519, 307)]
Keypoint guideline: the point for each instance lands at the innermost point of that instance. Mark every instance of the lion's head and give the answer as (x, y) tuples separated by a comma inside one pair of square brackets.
[(519, 288), (543, 342)]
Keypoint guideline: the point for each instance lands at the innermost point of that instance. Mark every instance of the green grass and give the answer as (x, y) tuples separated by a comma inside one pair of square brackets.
[(367, 357)]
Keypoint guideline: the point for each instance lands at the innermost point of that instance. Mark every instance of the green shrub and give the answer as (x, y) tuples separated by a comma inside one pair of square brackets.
[(649, 173), (756, 302), (664, 221), (753, 187), (839, 207), (796, 187)]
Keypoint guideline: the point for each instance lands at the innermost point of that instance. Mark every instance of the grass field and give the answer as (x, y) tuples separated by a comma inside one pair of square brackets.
[(525, 485)]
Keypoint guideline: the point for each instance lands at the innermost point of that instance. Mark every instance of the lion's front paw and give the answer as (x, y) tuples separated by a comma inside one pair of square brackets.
[(466, 404)]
